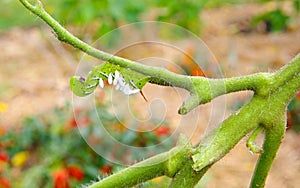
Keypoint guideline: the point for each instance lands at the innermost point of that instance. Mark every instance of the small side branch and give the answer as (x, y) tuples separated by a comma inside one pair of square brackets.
[(251, 144)]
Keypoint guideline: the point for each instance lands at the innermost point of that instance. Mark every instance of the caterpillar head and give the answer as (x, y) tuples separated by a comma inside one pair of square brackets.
[(140, 82), (77, 86)]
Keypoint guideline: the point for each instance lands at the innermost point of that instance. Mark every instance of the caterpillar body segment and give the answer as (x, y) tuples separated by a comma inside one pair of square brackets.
[(125, 80)]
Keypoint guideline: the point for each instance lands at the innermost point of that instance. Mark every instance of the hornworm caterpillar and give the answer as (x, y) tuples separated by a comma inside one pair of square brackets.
[(125, 80)]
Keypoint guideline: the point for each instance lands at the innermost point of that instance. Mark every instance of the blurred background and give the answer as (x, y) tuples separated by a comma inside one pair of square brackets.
[(40, 145)]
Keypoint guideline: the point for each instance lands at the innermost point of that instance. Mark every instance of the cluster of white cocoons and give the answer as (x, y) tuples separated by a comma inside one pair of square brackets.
[(119, 82)]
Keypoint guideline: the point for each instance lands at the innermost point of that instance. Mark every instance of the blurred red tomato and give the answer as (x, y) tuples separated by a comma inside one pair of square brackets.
[(2, 130), (82, 122), (72, 123), (106, 169), (4, 183), (188, 56), (75, 172), (162, 131), (190, 65), (4, 157), (197, 71), (61, 179)]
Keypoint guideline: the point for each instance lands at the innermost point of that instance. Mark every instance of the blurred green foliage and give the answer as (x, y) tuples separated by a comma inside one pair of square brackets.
[(12, 13), (108, 14), (296, 5), (272, 21), (275, 20), (99, 17)]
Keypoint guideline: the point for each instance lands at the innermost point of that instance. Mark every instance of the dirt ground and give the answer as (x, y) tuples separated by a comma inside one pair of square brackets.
[(35, 70)]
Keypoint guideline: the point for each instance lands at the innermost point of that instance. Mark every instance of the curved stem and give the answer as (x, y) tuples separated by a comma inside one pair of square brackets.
[(62, 34), (251, 144), (287, 72)]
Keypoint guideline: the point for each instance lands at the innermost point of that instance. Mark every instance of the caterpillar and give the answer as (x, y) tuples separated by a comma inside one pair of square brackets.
[(125, 80)]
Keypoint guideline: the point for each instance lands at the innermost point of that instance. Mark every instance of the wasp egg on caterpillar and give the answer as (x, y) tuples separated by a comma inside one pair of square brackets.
[(125, 80)]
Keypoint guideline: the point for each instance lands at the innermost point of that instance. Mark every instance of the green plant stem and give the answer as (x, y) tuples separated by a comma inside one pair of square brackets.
[(287, 72), (222, 139), (187, 177), (263, 110), (274, 122), (205, 89), (272, 142), (168, 164), (132, 175)]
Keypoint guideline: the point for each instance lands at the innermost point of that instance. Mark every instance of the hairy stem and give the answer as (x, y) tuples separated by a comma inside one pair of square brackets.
[(272, 142), (264, 108), (222, 139), (287, 72), (132, 175), (168, 164), (187, 177)]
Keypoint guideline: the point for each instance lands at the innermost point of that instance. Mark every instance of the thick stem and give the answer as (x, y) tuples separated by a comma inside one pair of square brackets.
[(271, 145), (131, 176), (136, 174), (222, 139), (274, 122), (187, 177), (262, 109), (168, 163)]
